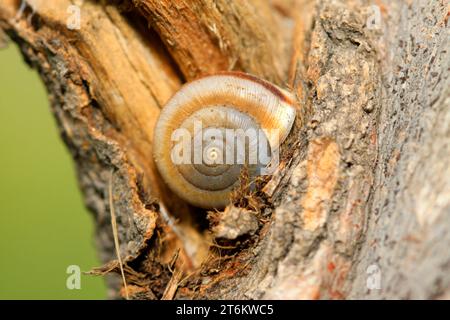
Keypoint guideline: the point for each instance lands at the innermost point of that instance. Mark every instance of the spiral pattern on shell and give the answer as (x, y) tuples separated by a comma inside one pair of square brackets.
[(194, 142)]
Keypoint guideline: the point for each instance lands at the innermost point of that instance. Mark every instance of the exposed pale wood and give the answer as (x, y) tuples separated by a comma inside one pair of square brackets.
[(364, 174), (206, 36), (107, 83)]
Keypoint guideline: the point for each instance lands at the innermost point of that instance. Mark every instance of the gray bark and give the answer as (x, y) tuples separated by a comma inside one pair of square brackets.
[(362, 193)]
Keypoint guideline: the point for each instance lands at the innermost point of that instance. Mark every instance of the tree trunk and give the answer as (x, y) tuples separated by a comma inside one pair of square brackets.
[(360, 205)]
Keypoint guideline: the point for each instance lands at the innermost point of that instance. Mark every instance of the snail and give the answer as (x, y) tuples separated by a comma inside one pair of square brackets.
[(209, 130)]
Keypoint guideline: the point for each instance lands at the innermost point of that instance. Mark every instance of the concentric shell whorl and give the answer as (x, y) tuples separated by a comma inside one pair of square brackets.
[(193, 134)]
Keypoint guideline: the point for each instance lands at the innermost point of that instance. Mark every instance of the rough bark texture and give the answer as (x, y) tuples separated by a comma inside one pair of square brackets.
[(365, 180)]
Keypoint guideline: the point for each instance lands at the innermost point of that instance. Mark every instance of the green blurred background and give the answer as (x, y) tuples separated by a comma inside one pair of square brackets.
[(44, 227)]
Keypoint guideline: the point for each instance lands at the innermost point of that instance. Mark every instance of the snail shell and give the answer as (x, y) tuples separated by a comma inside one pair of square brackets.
[(231, 100)]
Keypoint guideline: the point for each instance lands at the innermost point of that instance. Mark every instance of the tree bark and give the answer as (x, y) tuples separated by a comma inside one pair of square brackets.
[(360, 205)]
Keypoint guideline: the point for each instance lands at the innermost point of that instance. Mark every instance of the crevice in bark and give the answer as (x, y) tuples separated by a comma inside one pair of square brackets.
[(371, 135)]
